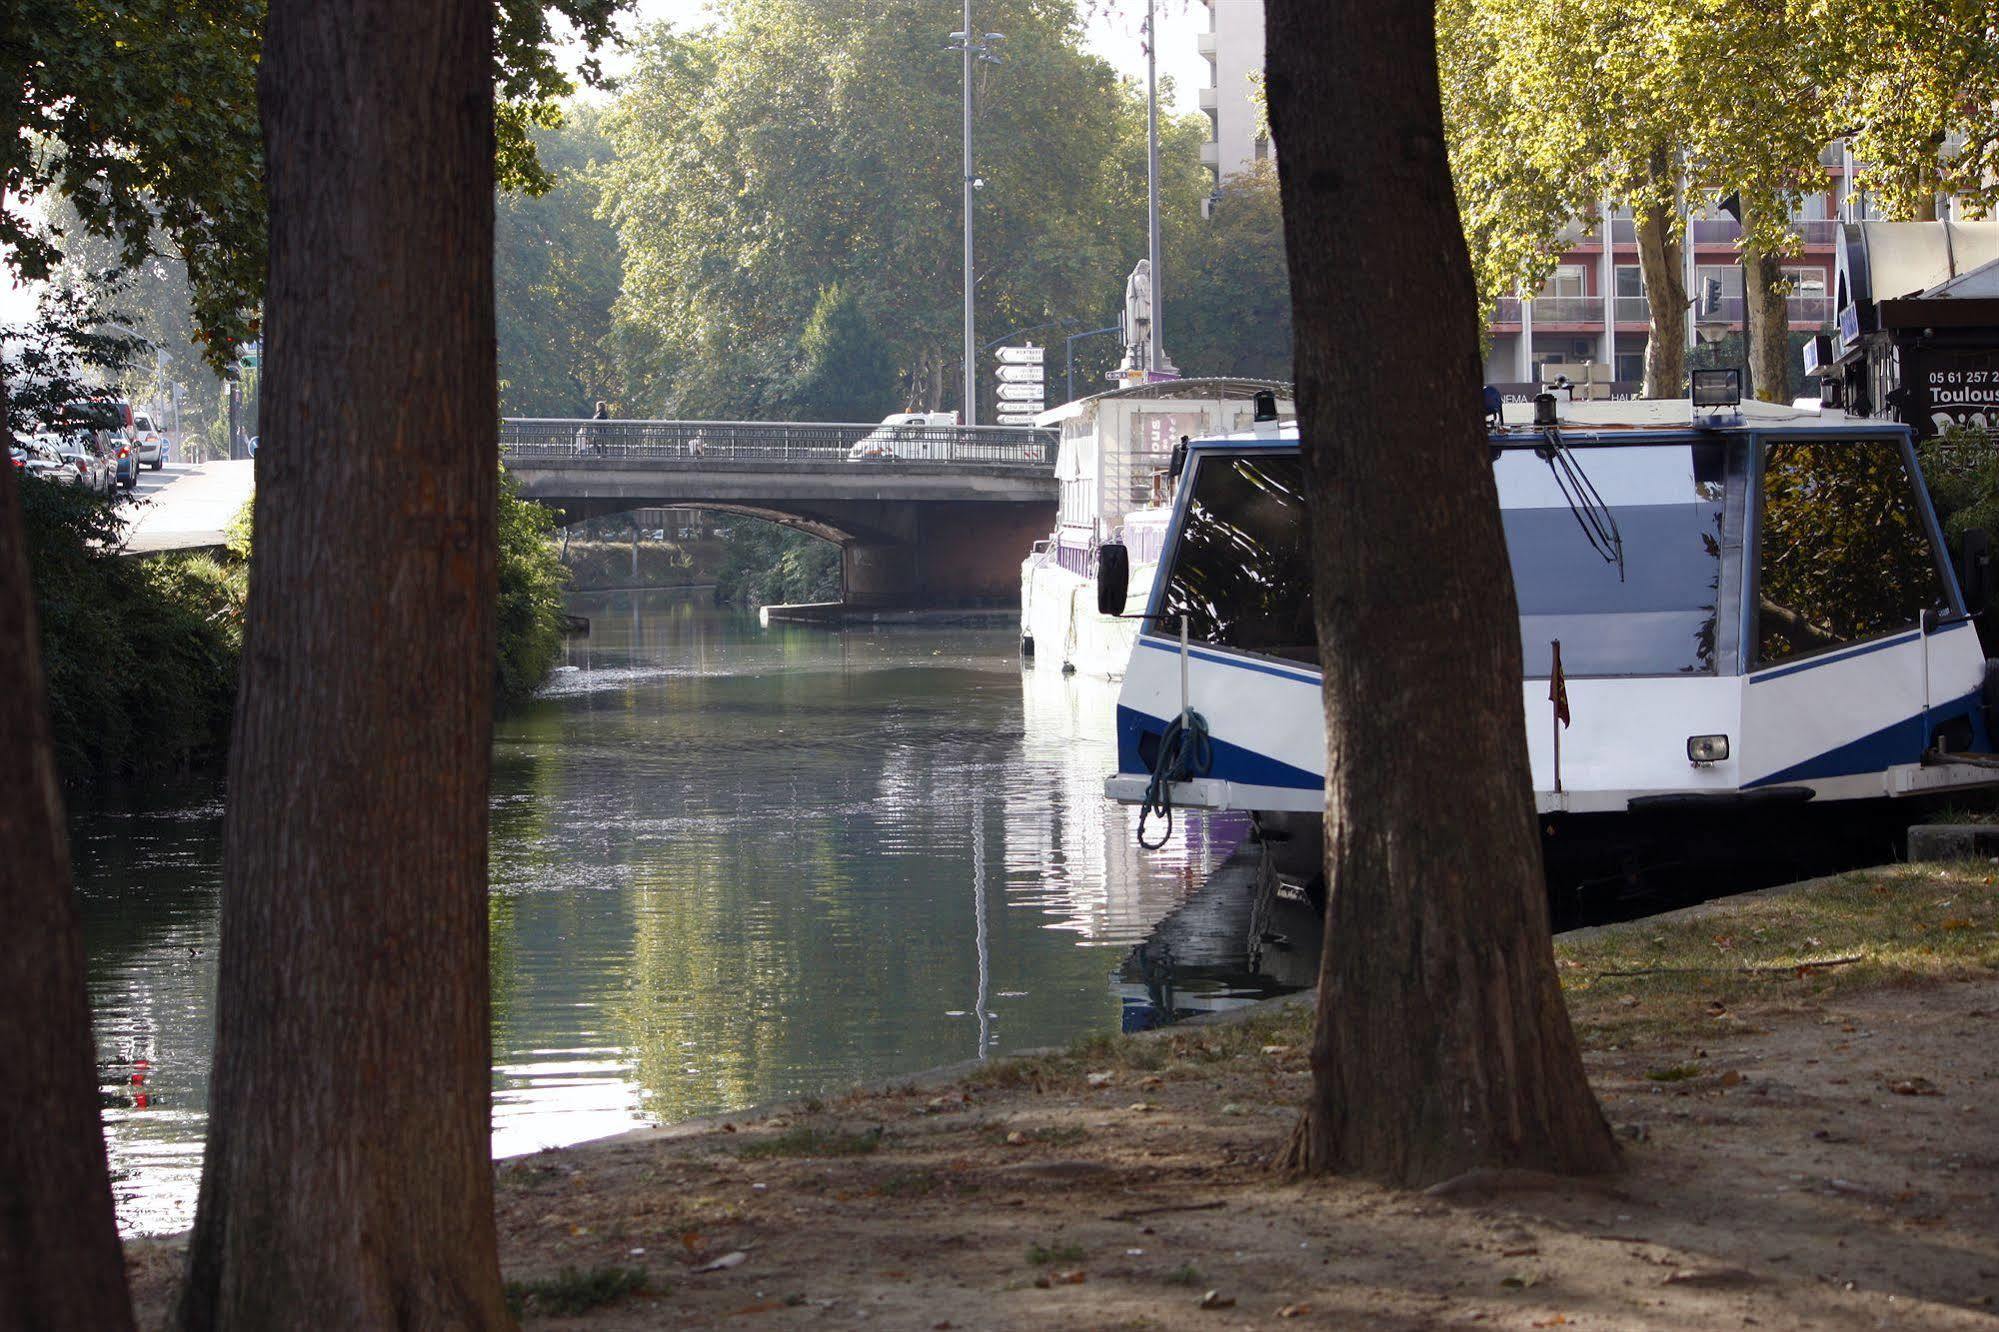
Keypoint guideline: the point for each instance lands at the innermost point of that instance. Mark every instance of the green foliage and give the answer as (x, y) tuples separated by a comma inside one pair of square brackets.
[(530, 606), (1233, 315), (799, 145), (1962, 469), (846, 371), (139, 656), (573, 1292), (556, 272), (764, 564), (71, 345), (1919, 81)]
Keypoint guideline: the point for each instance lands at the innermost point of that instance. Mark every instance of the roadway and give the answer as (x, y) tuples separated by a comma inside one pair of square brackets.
[(186, 506)]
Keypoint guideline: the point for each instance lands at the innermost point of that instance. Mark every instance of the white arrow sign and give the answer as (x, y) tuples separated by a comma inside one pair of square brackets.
[(1021, 355), (1021, 393), (1017, 418), (1021, 374)]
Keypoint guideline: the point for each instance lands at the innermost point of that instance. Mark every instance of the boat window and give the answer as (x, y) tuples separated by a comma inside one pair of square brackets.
[(1844, 553), (1241, 569), (1654, 616)]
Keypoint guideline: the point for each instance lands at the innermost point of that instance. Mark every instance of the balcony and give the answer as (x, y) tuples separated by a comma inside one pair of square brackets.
[(1204, 43), (1818, 232), (1813, 310), (1714, 231), (1633, 310), (1506, 310), (1211, 154), (1567, 310), (1209, 98)]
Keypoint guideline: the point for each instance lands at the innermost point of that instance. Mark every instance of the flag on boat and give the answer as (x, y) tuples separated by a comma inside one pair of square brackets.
[(1558, 685)]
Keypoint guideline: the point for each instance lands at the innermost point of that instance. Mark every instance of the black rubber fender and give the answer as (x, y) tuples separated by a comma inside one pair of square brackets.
[(1988, 697)]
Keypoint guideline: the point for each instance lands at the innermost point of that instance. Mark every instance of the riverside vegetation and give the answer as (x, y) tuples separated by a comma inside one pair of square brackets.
[(140, 656)]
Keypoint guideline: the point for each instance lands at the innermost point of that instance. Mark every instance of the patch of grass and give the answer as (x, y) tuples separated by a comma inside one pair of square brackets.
[(908, 1184), (1674, 1073), (573, 1292), (1186, 1274), (1898, 925), (1040, 1255), (808, 1141)]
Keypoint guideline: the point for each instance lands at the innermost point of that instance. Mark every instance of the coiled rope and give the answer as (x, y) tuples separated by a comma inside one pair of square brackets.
[(1184, 752)]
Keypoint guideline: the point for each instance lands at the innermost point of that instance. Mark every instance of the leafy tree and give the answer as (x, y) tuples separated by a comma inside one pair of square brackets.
[(1920, 79), (797, 145), (1441, 1043), (556, 271), (768, 564), (845, 372), (1229, 312)]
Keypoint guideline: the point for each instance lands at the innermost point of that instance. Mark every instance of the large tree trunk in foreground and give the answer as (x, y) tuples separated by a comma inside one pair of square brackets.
[(347, 1182), (1442, 1042), (1662, 260), (60, 1264)]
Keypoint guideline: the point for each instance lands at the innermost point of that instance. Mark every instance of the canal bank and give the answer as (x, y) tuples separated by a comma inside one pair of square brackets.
[(1806, 1147)]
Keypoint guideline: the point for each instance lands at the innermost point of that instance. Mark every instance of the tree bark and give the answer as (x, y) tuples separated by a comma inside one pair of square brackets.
[(1767, 315), (1662, 260), (1442, 1042), (60, 1262), (347, 1181)]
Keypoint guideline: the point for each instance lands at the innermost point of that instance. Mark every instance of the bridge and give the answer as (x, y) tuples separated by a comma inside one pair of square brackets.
[(925, 516)]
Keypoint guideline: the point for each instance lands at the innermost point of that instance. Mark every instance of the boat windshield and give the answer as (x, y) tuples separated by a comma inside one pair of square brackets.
[(1653, 616), (1241, 568)]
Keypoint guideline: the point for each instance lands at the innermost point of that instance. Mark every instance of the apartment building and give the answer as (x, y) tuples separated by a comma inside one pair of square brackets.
[(1233, 49), (1593, 308)]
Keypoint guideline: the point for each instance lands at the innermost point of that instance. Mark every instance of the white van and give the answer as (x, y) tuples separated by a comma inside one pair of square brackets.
[(915, 435)]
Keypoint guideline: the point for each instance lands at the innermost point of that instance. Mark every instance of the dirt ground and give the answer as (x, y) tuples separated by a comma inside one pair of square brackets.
[(1796, 1160)]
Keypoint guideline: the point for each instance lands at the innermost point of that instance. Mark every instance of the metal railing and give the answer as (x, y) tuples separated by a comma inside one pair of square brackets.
[(1567, 310), (573, 442)]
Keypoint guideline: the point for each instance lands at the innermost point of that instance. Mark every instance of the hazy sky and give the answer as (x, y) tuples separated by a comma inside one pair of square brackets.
[(1114, 27)]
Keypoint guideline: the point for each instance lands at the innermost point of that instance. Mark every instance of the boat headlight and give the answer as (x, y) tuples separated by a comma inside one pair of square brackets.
[(1707, 748)]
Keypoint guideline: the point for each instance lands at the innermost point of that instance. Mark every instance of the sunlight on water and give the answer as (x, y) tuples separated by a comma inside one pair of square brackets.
[(729, 865)]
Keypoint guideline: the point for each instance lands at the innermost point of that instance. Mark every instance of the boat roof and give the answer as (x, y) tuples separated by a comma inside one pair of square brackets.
[(1606, 421), (1216, 388)]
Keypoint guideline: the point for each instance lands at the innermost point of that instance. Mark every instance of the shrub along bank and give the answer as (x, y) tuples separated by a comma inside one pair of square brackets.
[(140, 656)]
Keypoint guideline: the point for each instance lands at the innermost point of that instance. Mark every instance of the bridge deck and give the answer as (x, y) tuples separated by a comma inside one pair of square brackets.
[(573, 442)]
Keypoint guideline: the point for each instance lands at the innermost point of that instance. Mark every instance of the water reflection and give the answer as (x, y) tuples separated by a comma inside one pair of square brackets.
[(729, 865)]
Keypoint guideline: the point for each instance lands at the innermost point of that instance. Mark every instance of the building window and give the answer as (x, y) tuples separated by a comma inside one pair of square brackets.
[(1242, 542), (1806, 283), (1843, 555), (1567, 280)]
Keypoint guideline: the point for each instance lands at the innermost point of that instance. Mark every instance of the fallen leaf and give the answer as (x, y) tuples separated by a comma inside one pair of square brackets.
[(1075, 1277), (1294, 1311), (1214, 1299), (1015, 1138), (1915, 1087), (733, 1258), (1099, 1079), (1731, 1079), (1559, 1320)]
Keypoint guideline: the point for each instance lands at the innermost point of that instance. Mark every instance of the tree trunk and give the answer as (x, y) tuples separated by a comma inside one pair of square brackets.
[(1662, 260), (60, 1264), (348, 1179), (1442, 1042), (1767, 317)]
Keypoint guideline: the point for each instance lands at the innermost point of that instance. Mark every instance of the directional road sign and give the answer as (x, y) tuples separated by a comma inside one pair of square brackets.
[(1022, 393), (1017, 418), (1021, 355), (1021, 374)]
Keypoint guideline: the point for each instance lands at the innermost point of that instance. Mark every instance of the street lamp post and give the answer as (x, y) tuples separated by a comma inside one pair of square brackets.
[(973, 49), (1155, 355)]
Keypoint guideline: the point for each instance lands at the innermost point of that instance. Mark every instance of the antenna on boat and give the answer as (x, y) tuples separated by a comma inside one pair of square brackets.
[(1592, 514)]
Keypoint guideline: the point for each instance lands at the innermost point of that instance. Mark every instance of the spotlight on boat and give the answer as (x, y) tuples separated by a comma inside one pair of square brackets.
[(1717, 388), (1545, 410), (1706, 749)]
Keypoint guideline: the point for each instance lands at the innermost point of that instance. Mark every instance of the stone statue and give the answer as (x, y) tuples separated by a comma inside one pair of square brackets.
[(1138, 315)]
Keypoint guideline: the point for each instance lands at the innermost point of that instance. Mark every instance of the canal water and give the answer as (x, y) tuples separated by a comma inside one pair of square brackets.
[(730, 864)]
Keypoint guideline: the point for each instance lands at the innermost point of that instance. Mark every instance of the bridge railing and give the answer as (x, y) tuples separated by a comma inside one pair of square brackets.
[(573, 441)]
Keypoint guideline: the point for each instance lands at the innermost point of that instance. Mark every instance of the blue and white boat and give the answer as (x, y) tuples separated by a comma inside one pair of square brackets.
[(1756, 614)]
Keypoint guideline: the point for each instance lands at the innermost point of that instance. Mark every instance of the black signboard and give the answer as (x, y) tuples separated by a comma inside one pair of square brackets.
[(1950, 386)]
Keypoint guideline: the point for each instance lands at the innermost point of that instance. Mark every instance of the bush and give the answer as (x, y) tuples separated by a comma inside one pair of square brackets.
[(138, 656), (530, 609), (766, 564)]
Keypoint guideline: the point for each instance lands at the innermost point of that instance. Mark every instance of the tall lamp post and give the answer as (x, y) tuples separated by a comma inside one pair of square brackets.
[(1155, 355), (974, 49)]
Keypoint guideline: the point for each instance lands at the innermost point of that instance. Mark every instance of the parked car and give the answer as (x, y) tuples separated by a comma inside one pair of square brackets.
[(150, 441), (40, 457), (85, 456), (917, 435)]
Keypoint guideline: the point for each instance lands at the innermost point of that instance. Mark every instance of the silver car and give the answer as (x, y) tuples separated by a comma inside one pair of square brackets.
[(149, 441)]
